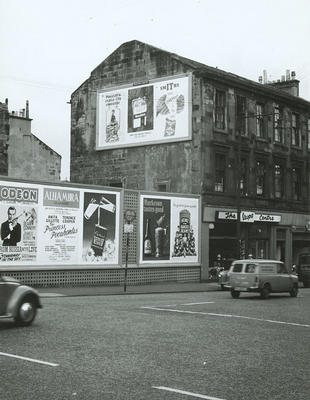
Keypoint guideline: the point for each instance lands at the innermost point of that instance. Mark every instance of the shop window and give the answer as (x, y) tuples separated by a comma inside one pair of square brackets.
[(296, 183), (308, 134), (295, 131), (277, 125), (220, 110), (220, 168), (278, 181), (260, 178), (241, 118), (259, 121)]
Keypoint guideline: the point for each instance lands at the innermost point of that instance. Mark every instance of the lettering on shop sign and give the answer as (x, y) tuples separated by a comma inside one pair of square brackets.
[(227, 215), (267, 218)]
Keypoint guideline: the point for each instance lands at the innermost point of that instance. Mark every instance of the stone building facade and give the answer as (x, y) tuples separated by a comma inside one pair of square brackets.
[(247, 153), (25, 156)]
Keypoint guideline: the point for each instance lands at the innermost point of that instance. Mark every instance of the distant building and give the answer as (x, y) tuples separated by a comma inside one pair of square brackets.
[(152, 120), (22, 154)]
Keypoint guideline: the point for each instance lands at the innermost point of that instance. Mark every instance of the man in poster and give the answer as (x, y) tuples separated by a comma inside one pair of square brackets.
[(11, 229)]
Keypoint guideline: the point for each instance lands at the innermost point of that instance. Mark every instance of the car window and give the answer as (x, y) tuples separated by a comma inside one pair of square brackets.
[(281, 269), (237, 268), (250, 268)]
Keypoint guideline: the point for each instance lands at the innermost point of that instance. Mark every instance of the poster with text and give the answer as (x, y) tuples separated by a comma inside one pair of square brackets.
[(100, 227), (148, 113), (169, 229), (60, 228), (18, 224)]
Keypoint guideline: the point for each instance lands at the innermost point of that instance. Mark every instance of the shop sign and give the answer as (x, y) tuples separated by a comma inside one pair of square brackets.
[(247, 216), (267, 218), (227, 215)]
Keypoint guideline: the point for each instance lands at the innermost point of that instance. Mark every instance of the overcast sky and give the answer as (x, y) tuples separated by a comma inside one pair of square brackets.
[(49, 48)]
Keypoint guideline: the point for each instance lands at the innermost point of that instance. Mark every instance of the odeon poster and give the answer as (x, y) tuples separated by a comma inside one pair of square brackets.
[(44, 225), (169, 229)]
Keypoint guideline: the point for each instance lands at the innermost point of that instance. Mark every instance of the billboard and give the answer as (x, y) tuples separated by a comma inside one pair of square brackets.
[(169, 229), (52, 225), (146, 114)]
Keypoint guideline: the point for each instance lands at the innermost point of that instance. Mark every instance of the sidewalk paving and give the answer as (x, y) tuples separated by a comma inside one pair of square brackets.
[(175, 287)]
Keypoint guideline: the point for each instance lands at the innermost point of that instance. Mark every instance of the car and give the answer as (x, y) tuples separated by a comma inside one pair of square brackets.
[(261, 276), (17, 301), (224, 274)]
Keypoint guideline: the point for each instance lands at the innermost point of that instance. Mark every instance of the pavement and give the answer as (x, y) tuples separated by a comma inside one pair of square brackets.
[(165, 287)]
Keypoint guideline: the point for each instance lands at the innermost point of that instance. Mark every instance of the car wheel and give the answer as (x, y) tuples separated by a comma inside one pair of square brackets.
[(26, 312), (265, 292), (294, 291), (234, 294)]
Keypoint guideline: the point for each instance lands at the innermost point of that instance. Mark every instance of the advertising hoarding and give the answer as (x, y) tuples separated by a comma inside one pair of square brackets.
[(150, 113), (169, 229), (52, 225)]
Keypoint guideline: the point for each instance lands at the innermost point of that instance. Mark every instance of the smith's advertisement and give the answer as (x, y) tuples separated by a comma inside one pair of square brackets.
[(50, 225)]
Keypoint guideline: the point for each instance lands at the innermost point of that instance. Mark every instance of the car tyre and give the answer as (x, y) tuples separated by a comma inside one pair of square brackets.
[(294, 291), (234, 294), (265, 292), (26, 312)]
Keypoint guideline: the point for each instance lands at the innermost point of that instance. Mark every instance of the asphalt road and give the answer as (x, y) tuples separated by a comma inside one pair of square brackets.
[(160, 346)]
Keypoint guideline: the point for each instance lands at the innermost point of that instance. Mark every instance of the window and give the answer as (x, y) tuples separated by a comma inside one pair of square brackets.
[(116, 184), (296, 183), (241, 115), (162, 187), (259, 121), (277, 125), (250, 268), (260, 178), (220, 110), (278, 181), (308, 133), (295, 131), (220, 163), (237, 268), (243, 176)]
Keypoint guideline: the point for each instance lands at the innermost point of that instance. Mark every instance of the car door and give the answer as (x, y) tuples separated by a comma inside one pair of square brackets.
[(283, 279), (3, 296)]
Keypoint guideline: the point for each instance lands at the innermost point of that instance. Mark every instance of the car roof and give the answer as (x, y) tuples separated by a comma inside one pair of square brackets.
[(257, 260)]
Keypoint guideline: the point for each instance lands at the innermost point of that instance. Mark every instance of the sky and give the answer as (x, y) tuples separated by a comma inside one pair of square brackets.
[(49, 48)]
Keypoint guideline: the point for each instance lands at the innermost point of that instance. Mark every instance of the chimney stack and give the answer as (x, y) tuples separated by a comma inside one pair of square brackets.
[(288, 83), (27, 109)]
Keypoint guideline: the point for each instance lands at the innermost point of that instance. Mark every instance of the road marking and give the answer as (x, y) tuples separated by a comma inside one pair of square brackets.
[(194, 304), (227, 316), (52, 295), (29, 359), (200, 396)]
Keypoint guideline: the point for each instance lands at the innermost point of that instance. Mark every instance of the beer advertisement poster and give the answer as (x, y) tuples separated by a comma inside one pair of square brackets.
[(60, 229), (156, 229), (101, 227), (18, 219), (155, 112)]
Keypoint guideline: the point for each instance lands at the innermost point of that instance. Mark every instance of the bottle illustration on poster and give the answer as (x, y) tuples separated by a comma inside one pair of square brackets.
[(184, 243)]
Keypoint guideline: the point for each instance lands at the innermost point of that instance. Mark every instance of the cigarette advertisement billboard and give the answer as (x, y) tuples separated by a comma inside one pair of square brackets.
[(169, 229), (52, 225), (146, 114)]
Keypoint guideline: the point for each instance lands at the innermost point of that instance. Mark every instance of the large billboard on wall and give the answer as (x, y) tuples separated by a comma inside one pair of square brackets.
[(52, 225), (150, 113), (169, 229)]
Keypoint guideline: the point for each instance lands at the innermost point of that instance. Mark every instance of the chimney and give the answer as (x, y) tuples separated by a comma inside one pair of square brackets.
[(27, 109), (260, 79), (265, 76), (288, 83)]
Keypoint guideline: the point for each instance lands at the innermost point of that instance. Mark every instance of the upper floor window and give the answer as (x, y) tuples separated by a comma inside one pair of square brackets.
[(241, 117), (220, 110), (277, 125), (220, 168), (295, 131), (296, 183), (260, 178), (278, 181), (308, 133), (259, 120), (243, 176)]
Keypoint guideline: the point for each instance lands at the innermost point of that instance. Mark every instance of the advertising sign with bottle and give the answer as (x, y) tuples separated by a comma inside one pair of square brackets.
[(148, 113), (169, 229)]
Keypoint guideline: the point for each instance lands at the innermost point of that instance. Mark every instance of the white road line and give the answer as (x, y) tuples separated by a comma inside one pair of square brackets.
[(200, 396), (227, 316), (194, 304), (29, 359)]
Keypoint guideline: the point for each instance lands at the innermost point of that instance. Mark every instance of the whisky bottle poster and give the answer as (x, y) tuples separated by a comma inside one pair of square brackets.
[(156, 229), (184, 230), (140, 110), (100, 228)]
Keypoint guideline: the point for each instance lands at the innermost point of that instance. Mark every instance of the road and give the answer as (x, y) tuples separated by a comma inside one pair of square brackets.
[(160, 346)]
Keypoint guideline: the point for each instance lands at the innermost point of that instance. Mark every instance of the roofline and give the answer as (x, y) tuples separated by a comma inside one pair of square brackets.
[(36, 137)]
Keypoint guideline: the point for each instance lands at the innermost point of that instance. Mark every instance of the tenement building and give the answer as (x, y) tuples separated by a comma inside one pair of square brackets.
[(24, 155), (150, 120)]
